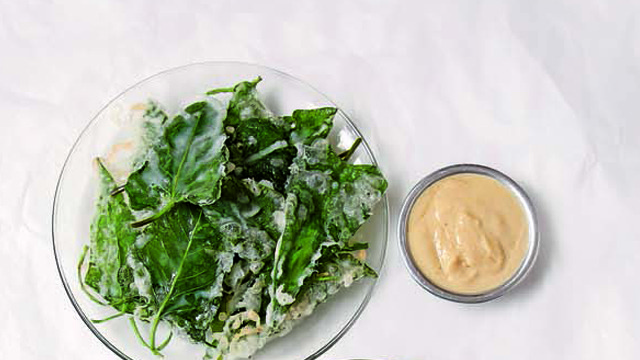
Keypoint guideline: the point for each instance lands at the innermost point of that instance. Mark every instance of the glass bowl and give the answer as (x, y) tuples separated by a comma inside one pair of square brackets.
[(77, 190)]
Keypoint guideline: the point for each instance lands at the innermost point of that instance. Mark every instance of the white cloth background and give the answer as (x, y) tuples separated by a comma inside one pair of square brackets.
[(547, 91)]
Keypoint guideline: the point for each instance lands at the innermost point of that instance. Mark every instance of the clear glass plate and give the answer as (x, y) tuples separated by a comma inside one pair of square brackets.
[(115, 123)]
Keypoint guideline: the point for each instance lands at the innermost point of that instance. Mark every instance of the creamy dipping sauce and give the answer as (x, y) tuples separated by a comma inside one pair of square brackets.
[(467, 233)]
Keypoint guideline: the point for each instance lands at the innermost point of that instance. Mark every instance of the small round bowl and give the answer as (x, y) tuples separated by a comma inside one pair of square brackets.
[(527, 207), (76, 191)]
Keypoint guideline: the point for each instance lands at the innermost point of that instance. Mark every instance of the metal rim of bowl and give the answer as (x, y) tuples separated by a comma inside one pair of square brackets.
[(384, 204), (516, 190)]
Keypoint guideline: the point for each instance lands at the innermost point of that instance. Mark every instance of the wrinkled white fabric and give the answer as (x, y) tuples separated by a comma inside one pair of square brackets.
[(547, 91)]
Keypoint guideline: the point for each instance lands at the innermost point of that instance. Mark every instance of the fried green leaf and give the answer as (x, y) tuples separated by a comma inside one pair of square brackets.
[(327, 201), (108, 272), (186, 164), (187, 264)]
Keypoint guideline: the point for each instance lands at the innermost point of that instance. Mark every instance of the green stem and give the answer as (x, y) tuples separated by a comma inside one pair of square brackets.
[(253, 82), (132, 321), (357, 246), (345, 155), (156, 320), (83, 255), (266, 151), (353, 247), (209, 344), (104, 170), (220, 90), (100, 321), (166, 342), (153, 217)]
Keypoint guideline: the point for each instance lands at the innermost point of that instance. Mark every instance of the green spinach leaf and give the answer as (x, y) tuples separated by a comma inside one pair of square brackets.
[(310, 125), (258, 140), (327, 201), (187, 263), (186, 164), (111, 238)]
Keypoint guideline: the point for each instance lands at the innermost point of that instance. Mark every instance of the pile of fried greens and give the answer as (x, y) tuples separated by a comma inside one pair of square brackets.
[(233, 224)]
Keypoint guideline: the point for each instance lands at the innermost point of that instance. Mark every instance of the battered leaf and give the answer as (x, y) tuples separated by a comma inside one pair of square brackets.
[(327, 201), (245, 103), (186, 164), (263, 146), (187, 264), (310, 125), (258, 140), (111, 237), (334, 272)]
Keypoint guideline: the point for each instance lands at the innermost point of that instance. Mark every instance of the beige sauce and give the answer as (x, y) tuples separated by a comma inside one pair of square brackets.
[(467, 233)]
